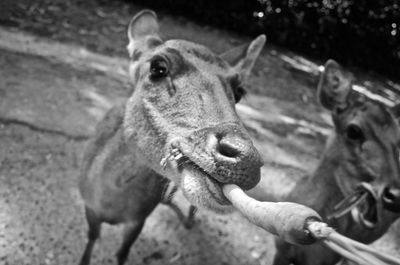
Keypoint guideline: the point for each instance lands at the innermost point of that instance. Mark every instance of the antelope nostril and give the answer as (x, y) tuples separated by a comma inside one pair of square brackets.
[(227, 149), (388, 195), (391, 199)]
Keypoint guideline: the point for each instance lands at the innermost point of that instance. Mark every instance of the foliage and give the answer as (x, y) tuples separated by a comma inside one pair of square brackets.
[(364, 32)]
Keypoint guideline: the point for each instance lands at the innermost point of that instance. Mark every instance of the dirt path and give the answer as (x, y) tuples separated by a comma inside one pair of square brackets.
[(45, 117)]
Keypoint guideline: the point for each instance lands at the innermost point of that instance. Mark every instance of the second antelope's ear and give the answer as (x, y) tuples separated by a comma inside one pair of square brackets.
[(242, 58), (143, 32), (334, 86)]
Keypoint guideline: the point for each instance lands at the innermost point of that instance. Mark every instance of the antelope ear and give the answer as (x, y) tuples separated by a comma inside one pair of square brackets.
[(243, 57), (143, 32), (334, 86)]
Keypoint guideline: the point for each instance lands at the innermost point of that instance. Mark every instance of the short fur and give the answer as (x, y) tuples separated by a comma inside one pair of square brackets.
[(371, 157), (179, 124)]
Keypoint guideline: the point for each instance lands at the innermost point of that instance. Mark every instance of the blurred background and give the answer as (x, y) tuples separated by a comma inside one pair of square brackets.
[(60, 59), (359, 33)]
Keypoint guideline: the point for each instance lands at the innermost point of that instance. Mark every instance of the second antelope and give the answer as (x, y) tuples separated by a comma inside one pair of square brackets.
[(356, 186)]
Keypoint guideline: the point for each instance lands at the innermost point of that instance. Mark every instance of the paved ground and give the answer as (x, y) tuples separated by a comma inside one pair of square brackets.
[(45, 118)]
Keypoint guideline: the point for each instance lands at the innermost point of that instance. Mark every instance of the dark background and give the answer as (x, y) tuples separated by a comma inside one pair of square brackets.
[(363, 33)]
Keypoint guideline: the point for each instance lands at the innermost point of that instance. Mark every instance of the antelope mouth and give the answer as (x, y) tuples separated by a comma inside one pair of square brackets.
[(362, 204), (366, 213), (193, 173), (198, 185)]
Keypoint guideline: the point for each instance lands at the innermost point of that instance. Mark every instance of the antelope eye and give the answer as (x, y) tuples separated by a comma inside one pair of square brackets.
[(354, 133), (158, 68), (239, 93)]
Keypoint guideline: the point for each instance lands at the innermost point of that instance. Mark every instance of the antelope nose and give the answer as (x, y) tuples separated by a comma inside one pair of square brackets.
[(391, 199), (236, 159)]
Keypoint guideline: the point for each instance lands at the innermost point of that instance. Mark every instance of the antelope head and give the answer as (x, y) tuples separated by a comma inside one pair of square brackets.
[(181, 120), (363, 150)]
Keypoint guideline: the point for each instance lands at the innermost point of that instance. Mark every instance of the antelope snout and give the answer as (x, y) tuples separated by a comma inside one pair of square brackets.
[(236, 159), (391, 199)]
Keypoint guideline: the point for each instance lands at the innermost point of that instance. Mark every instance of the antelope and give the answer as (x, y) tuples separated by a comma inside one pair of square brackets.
[(356, 185), (179, 125)]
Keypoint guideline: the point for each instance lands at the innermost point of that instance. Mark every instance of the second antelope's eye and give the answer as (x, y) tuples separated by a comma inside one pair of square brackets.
[(158, 68), (355, 133)]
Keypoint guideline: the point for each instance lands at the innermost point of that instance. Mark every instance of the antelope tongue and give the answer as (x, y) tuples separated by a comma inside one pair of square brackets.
[(198, 185)]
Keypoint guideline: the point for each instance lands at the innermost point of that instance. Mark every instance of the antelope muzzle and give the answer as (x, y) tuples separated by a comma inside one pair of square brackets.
[(214, 156)]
